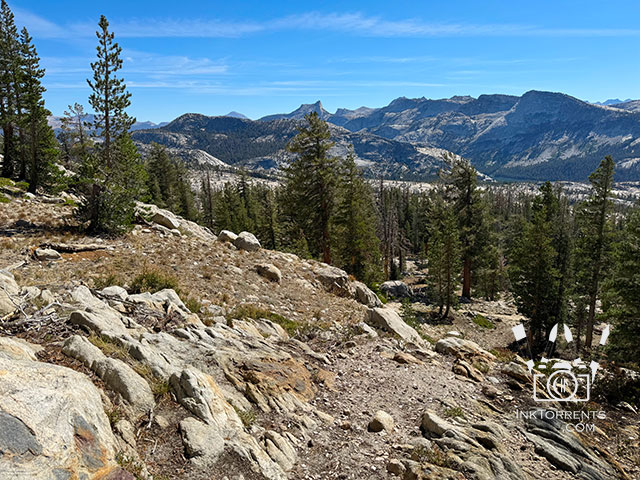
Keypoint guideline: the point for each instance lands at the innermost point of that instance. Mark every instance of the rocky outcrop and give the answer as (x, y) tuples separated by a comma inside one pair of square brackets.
[(365, 295), (395, 289), (334, 280), (460, 348), (219, 426), (389, 321), (8, 289), (247, 241), (269, 271), (172, 222), (227, 236), (52, 424), (475, 450), (563, 449), (44, 254), (117, 375)]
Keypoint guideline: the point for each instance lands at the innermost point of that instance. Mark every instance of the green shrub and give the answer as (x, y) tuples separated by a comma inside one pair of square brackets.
[(433, 455), (454, 412), (483, 322), (503, 355), (153, 281), (193, 304), (3, 199), (375, 287), (22, 185), (248, 417)]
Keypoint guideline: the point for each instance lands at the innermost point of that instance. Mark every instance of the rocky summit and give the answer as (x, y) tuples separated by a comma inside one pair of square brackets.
[(173, 353)]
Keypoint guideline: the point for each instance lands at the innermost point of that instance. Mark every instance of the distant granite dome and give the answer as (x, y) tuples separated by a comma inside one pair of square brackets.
[(234, 114)]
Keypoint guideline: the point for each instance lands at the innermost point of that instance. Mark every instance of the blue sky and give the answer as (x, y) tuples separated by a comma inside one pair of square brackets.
[(262, 57)]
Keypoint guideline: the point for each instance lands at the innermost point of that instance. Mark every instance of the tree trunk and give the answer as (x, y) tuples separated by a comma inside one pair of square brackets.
[(466, 279), (590, 319)]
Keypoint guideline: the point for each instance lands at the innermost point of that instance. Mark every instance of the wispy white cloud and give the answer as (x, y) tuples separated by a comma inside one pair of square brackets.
[(38, 26), (348, 23)]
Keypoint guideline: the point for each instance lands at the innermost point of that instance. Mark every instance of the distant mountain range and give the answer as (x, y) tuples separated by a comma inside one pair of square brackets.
[(56, 124), (536, 136), (260, 145)]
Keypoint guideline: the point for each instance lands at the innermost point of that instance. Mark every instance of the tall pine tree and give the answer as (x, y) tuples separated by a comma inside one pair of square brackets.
[(114, 175), (311, 184), (593, 242), (356, 245), (40, 149), (469, 208), (9, 89)]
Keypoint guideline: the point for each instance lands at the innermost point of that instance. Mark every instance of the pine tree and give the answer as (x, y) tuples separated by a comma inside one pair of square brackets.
[(533, 273), (443, 257), (40, 147), (356, 246), (311, 181), (109, 97), (114, 175), (470, 212), (206, 202), (593, 240), (625, 288), (9, 89)]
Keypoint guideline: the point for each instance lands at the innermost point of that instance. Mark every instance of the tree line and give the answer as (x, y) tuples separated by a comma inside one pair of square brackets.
[(566, 263)]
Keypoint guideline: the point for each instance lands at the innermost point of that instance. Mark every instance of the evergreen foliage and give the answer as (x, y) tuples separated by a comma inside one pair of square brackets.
[(469, 208), (29, 146), (356, 244), (624, 294), (311, 184), (168, 183), (113, 175), (593, 242)]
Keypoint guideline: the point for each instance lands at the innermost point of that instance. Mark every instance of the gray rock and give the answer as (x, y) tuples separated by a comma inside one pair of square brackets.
[(367, 330), (52, 423), (201, 395), (164, 218), (16, 438), (99, 323), (280, 450), (227, 236), (247, 241), (395, 289), (121, 378), (18, 349), (381, 421), (516, 372), (389, 321), (269, 271), (81, 349), (45, 254), (432, 423), (200, 440), (115, 291), (395, 467), (461, 348), (365, 295), (8, 289), (335, 280)]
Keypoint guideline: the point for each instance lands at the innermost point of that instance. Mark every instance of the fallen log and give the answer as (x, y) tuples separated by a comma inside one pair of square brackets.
[(74, 248)]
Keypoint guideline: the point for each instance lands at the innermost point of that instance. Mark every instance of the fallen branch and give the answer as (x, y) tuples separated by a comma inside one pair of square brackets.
[(74, 248)]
